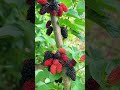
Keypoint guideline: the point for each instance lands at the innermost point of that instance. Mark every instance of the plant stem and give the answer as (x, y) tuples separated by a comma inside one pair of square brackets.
[(59, 42), (57, 31)]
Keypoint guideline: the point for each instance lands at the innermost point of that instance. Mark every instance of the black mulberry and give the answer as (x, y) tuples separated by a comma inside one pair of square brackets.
[(44, 9), (71, 73), (31, 14), (64, 32), (28, 70), (47, 55), (56, 55), (49, 31)]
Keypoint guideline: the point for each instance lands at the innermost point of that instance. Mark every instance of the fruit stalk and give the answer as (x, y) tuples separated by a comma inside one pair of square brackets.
[(59, 42)]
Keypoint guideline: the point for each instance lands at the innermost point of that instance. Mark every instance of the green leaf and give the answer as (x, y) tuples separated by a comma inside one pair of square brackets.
[(10, 30), (73, 13), (104, 21), (42, 87), (41, 75), (66, 2), (54, 77)]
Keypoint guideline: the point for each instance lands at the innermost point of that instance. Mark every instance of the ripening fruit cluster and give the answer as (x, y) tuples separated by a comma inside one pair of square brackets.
[(52, 7), (28, 75), (56, 60), (56, 9), (49, 31)]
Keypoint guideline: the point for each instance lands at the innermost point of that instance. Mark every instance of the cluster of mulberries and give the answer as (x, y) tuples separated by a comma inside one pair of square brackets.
[(55, 9), (52, 7), (56, 60), (31, 11), (28, 75), (114, 76)]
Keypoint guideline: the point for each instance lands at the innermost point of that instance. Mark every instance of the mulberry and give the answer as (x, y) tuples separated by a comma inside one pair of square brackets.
[(48, 62), (73, 63), (62, 50), (71, 73), (60, 11), (56, 62), (82, 59), (59, 68), (48, 24), (65, 9), (49, 31), (48, 55), (29, 85), (114, 76), (64, 32), (54, 13), (42, 2), (53, 69), (64, 57), (31, 14), (70, 63), (56, 55), (28, 70), (54, 5)]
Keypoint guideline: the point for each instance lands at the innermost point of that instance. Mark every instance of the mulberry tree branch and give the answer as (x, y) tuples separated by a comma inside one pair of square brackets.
[(57, 31), (59, 42)]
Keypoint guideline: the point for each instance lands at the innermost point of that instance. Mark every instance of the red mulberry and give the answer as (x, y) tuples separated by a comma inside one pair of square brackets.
[(48, 62), (62, 50), (59, 68), (82, 59), (64, 57), (114, 76), (53, 69), (65, 9), (42, 2), (60, 11), (48, 24)]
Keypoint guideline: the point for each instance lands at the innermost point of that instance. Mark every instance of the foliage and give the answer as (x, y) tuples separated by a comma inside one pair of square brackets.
[(74, 20), (102, 30), (16, 42)]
